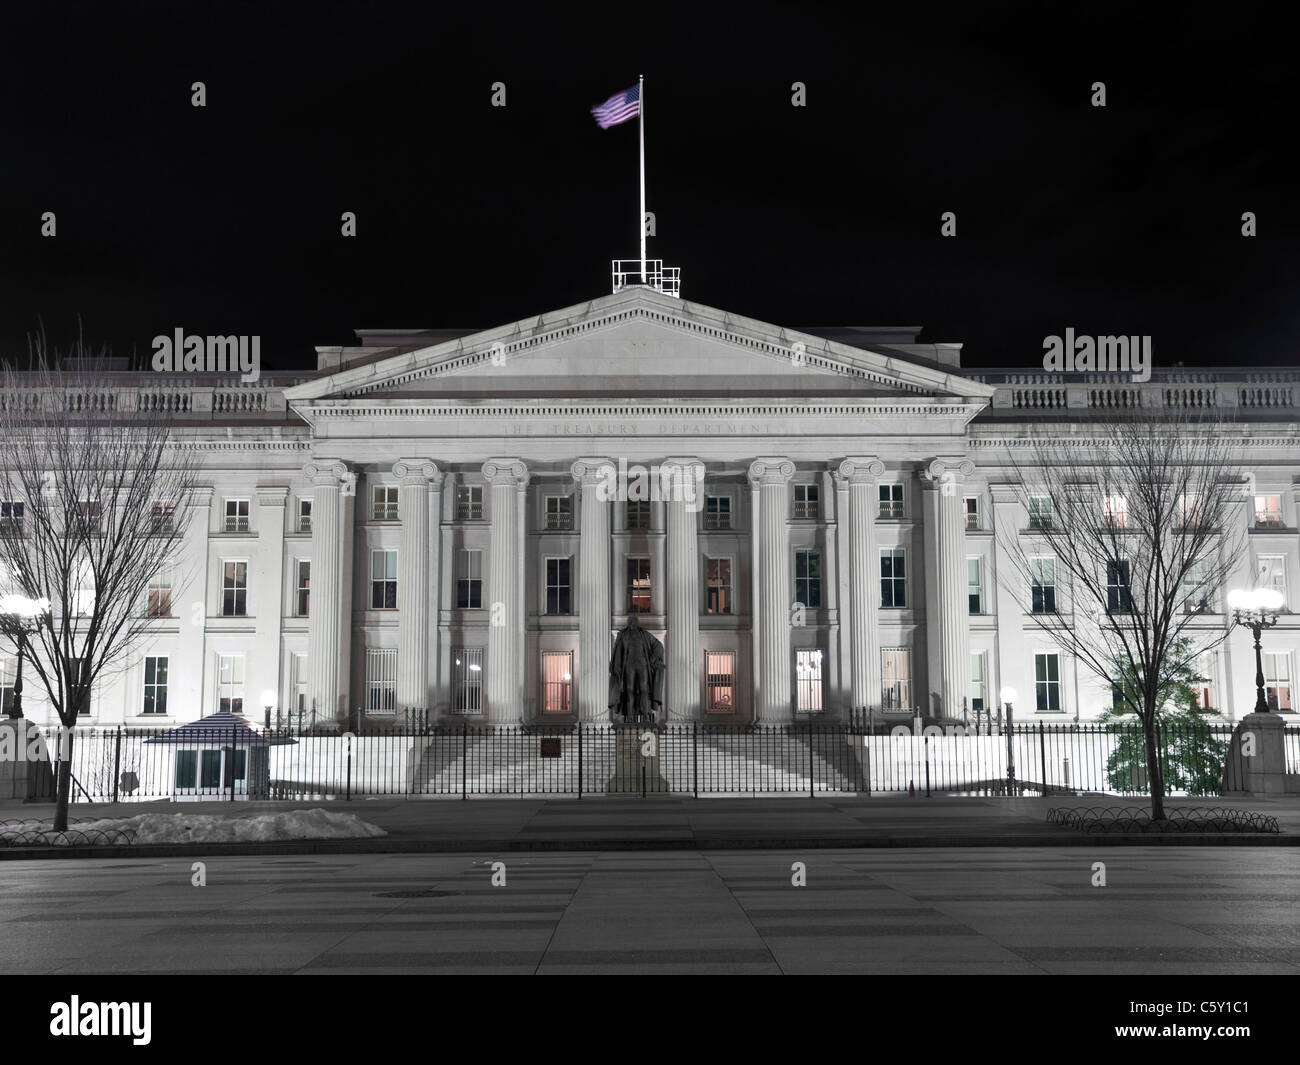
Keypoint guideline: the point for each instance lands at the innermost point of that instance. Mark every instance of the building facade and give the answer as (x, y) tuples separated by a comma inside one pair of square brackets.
[(458, 523)]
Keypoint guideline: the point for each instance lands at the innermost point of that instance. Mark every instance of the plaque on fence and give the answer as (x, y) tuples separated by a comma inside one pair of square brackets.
[(550, 747)]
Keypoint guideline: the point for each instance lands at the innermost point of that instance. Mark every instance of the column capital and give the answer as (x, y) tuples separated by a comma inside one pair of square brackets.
[(412, 472), (505, 472), (860, 469), (946, 474), (592, 471), (677, 466), (770, 471), (328, 473)]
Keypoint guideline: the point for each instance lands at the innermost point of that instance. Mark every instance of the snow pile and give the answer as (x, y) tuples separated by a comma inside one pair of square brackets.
[(198, 828)]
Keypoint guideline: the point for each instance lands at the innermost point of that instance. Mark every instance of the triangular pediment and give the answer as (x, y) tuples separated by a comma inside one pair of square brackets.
[(639, 343)]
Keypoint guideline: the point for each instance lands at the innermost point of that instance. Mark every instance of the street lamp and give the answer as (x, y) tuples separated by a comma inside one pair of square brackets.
[(1008, 697), (1256, 610), (21, 617)]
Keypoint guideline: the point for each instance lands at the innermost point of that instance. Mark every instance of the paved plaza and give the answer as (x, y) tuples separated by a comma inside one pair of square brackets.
[(1165, 910)]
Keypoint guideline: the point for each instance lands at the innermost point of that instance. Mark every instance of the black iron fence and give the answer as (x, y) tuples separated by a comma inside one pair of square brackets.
[(417, 758)]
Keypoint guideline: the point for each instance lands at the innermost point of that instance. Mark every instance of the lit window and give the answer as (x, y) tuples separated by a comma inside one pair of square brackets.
[(557, 682), (638, 586), (381, 680), (158, 596), (896, 678), (162, 518), (1277, 679), (1115, 512), (720, 681), (467, 679), (234, 589), (718, 580), (1271, 573), (1268, 512), (808, 680)]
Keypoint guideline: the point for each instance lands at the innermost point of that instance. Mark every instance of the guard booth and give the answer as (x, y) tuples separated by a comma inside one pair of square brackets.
[(218, 757)]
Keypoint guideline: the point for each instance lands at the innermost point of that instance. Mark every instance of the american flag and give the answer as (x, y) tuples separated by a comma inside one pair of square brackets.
[(618, 108)]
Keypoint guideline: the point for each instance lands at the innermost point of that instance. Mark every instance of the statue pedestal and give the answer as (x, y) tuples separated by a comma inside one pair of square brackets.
[(634, 771), (25, 770)]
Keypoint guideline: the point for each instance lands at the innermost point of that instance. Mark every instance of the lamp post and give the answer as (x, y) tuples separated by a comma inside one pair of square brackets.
[(1256, 610), (1008, 697), (21, 617)]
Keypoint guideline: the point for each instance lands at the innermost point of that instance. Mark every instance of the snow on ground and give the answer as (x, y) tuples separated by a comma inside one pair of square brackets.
[(200, 828)]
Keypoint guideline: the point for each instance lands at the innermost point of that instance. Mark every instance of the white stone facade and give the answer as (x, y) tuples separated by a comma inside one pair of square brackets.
[(813, 549)]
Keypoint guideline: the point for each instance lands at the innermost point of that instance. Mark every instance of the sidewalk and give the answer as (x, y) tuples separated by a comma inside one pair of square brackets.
[(629, 824)]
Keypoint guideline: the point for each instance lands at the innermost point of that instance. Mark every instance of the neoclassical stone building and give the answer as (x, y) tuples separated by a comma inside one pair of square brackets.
[(458, 522)]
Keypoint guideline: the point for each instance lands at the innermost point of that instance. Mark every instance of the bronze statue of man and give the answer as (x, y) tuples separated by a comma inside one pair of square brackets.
[(636, 674)]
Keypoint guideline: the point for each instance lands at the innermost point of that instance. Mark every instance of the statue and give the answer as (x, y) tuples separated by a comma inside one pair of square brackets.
[(636, 675)]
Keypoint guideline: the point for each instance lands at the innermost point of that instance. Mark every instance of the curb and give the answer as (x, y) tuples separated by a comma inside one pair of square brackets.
[(673, 843)]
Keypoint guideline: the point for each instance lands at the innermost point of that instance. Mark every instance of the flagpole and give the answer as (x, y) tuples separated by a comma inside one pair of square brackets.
[(640, 80)]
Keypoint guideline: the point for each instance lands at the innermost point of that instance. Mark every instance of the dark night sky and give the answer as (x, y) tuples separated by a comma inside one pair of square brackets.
[(226, 219)]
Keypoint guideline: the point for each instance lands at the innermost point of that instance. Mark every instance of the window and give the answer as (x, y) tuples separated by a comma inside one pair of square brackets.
[(1268, 512), (557, 586), (187, 768), (1119, 594), (807, 501), (808, 680), (1271, 573), (7, 675), (469, 579), (234, 589), (1198, 597), (896, 678), (717, 578), (720, 682), (302, 589), (974, 587), (467, 679), (230, 683), (11, 518), (891, 500), (717, 512), (236, 515), (1047, 682), (89, 518), (638, 586), (557, 682), (893, 577), (638, 513), (304, 515), (381, 680), (158, 596), (297, 685), (1277, 679), (808, 578), (1040, 512), (559, 512), (469, 502), (1115, 512), (155, 686), (1042, 575), (1190, 511), (977, 690), (162, 519), (1206, 667), (77, 678), (383, 580), (972, 512), (384, 503)]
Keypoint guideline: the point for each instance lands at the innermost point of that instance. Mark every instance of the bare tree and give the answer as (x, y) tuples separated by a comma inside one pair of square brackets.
[(1137, 513), (96, 500)]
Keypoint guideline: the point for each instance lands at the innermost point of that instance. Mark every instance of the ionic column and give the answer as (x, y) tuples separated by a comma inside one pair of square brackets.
[(684, 478), (329, 573), (414, 600), (861, 474), (504, 685), (773, 696), (948, 626), (595, 477)]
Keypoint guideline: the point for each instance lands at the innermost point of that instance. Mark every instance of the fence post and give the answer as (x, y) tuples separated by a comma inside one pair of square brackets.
[(695, 757), (811, 782), (1042, 756), (926, 737), (464, 759), (579, 759), (231, 767), (117, 761)]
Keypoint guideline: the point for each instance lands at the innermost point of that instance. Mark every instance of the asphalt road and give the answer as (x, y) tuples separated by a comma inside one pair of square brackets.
[(1166, 910)]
